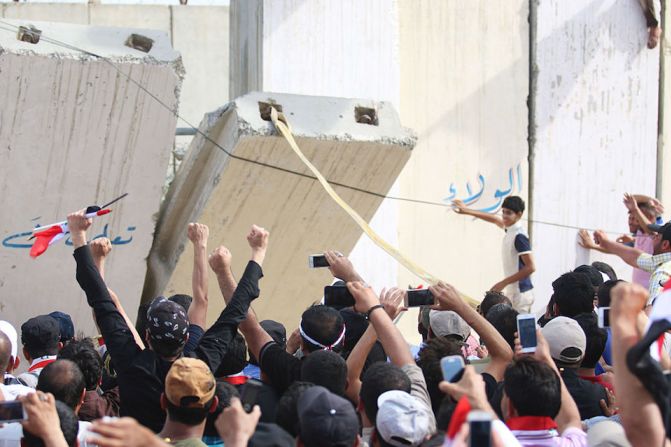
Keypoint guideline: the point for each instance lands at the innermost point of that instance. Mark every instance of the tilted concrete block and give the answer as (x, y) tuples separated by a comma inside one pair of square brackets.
[(75, 131), (229, 195)]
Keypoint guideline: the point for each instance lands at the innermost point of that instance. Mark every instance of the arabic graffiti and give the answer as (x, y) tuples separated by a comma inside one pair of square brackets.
[(19, 240), (499, 195)]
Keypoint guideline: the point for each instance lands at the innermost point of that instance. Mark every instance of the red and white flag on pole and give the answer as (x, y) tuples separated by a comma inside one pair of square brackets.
[(50, 234)]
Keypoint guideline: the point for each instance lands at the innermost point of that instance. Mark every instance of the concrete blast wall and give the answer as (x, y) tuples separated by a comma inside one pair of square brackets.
[(595, 127), (336, 48), (74, 131), (229, 195)]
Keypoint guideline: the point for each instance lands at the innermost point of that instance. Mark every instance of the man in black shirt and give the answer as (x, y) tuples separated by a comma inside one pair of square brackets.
[(141, 373)]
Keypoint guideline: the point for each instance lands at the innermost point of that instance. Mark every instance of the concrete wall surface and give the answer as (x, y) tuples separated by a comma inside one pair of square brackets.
[(199, 33), (325, 48), (229, 195), (464, 70), (596, 127), (75, 131)]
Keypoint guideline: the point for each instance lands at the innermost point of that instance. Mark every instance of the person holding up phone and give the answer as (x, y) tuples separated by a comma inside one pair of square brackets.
[(518, 262)]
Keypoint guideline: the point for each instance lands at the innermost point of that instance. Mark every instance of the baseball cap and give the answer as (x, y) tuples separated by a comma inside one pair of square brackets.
[(607, 434), (167, 321), (402, 420), (270, 435), (189, 383), (664, 230), (326, 419), (40, 332), (566, 339), (447, 322), (276, 330), (7, 329), (67, 328)]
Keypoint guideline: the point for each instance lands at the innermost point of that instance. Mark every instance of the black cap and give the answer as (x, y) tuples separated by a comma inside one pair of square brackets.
[(276, 330), (326, 419), (67, 328), (664, 230), (41, 332), (167, 322), (270, 435)]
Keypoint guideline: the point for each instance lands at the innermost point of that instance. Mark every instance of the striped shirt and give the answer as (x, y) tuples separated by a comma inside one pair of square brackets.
[(660, 267)]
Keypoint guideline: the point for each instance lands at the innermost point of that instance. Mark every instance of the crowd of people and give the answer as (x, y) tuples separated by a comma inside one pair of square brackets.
[(344, 376)]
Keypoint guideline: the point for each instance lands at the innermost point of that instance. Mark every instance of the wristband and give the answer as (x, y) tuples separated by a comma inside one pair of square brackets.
[(377, 306)]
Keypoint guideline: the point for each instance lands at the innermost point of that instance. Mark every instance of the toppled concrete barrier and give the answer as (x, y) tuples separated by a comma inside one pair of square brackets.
[(75, 131), (353, 142)]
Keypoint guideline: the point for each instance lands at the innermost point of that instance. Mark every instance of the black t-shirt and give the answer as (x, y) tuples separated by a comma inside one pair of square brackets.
[(494, 392), (586, 394), (282, 368)]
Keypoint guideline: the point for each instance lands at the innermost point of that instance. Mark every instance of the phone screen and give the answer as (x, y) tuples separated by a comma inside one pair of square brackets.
[(604, 317), (452, 367), (318, 261), (527, 332), (419, 297), (250, 394), (11, 411), (480, 433), (338, 296)]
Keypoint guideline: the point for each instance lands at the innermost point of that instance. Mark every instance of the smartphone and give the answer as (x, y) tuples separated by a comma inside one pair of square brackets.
[(12, 411), (480, 425), (526, 329), (250, 394), (317, 261), (338, 296), (418, 297), (452, 367), (604, 317)]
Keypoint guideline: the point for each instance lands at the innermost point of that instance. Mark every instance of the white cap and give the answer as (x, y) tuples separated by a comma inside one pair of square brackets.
[(402, 420), (10, 332), (563, 333), (607, 434), (447, 322)]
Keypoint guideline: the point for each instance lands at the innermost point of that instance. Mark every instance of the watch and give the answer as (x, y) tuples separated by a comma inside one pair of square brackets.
[(370, 311)]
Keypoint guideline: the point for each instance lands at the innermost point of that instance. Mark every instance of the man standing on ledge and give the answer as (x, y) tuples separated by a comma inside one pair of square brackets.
[(518, 263)]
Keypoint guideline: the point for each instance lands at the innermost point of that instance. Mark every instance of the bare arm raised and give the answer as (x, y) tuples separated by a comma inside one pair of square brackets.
[(459, 208), (198, 235)]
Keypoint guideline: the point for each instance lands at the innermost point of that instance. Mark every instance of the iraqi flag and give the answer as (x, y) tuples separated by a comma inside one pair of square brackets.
[(661, 310), (50, 234)]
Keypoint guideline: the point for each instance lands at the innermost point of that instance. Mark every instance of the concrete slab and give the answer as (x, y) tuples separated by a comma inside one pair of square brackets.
[(156, 17), (595, 126), (200, 34), (464, 86), (65, 12), (345, 49), (75, 131), (230, 195)]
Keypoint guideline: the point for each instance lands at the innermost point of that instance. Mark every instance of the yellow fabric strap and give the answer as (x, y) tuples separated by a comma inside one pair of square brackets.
[(282, 125)]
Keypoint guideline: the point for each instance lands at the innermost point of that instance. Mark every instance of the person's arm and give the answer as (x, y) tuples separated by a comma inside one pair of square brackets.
[(341, 267), (656, 204), (631, 204), (627, 254), (392, 300), (448, 298), (568, 416), (392, 341), (100, 248), (198, 234), (123, 432), (114, 329), (42, 418), (214, 344), (639, 413), (523, 247), (255, 336), (235, 426), (459, 208), (586, 241)]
